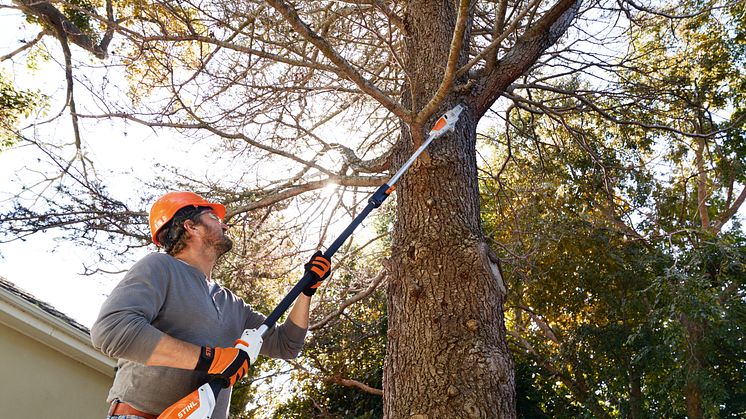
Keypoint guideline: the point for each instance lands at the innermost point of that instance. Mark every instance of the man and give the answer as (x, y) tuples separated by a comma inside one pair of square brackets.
[(173, 328)]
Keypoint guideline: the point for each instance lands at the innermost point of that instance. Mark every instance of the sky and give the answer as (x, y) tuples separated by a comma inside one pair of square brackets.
[(50, 267), (46, 265)]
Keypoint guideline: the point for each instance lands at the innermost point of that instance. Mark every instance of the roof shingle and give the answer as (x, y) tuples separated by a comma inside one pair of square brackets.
[(13, 289)]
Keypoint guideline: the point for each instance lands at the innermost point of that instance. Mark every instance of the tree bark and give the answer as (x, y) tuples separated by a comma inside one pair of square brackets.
[(635, 395), (694, 366), (447, 355)]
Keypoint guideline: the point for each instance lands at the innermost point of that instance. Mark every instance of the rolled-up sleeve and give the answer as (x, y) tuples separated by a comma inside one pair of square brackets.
[(284, 341), (123, 328)]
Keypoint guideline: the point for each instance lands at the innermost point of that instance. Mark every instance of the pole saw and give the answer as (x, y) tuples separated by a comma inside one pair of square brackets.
[(200, 403)]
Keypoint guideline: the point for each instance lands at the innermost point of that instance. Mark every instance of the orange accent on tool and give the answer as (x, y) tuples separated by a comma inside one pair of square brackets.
[(183, 408), (440, 124), (389, 190)]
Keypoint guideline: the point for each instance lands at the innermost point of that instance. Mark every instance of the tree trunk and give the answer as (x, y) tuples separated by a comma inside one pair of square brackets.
[(446, 356), (694, 366), (635, 395)]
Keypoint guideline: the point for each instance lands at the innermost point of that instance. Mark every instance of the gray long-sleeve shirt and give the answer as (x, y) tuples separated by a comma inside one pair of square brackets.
[(163, 295)]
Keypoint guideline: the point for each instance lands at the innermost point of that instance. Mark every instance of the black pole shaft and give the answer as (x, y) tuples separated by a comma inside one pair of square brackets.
[(375, 201), (339, 241)]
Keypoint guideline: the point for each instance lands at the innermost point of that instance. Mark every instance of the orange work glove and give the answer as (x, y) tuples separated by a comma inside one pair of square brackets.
[(228, 364), (319, 267)]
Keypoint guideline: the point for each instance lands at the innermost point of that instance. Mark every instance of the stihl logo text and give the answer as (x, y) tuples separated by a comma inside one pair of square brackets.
[(187, 409)]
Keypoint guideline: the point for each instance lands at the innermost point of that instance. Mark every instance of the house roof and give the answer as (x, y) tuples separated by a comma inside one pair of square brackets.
[(38, 320), (13, 289)]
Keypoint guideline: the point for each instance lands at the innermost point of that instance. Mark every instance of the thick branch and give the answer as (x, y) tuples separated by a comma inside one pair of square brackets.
[(543, 33), (490, 51), (364, 181), (450, 73), (374, 165), (729, 213), (57, 21), (353, 383), (498, 32)]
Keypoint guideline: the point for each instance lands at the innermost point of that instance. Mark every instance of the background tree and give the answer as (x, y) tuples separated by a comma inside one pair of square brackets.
[(625, 278), (14, 105)]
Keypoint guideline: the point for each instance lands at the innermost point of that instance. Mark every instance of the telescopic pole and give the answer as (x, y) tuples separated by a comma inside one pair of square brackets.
[(444, 124)]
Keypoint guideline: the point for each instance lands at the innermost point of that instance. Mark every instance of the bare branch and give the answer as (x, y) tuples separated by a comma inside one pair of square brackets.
[(450, 72), (25, 46), (527, 49), (211, 128), (292, 18), (374, 283), (353, 383), (391, 15), (607, 115), (670, 14), (490, 50), (368, 181), (336, 379)]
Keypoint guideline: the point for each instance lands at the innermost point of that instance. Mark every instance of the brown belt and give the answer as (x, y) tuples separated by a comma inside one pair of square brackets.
[(120, 408)]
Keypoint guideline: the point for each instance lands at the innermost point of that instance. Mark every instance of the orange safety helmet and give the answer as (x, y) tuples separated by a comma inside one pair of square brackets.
[(166, 206)]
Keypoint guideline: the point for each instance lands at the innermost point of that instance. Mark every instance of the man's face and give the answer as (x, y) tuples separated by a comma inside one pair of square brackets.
[(215, 233)]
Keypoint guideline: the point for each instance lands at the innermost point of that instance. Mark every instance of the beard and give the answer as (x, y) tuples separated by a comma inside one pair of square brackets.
[(221, 245)]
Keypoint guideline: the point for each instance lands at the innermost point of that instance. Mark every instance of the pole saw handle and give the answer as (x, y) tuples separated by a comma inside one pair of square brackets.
[(251, 342), (198, 404)]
